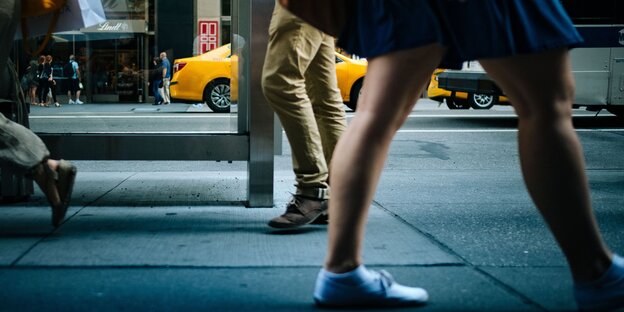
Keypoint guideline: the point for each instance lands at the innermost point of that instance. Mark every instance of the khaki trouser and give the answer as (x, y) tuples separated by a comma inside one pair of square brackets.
[(19, 147), (164, 91), (299, 82)]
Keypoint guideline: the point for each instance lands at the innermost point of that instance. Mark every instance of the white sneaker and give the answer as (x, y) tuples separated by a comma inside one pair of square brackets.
[(364, 288), (79, 102), (198, 105), (71, 102), (604, 294)]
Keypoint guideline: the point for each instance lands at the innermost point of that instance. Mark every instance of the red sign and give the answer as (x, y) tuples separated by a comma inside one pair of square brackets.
[(208, 35)]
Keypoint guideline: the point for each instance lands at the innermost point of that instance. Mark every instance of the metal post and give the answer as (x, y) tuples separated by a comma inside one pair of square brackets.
[(251, 20)]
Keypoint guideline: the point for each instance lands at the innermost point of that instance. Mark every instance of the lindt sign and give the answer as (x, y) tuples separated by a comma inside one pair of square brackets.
[(118, 26)]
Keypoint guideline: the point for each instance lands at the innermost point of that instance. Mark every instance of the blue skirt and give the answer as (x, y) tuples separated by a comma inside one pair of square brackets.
[(470, 29)]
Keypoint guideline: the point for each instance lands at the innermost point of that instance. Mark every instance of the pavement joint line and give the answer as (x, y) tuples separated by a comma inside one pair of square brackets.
[(465, 261), (20, 257), (101, 196), (221, 267), (494, 130), (510, 289)]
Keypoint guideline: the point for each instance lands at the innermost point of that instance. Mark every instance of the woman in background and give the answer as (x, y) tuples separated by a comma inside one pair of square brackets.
[(45, 78), (32, 82), (41, 80), (52, 82)]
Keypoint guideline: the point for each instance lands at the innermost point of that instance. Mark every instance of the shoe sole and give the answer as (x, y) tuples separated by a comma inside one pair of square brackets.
[(323, 219), (278, 225), (374, 305)]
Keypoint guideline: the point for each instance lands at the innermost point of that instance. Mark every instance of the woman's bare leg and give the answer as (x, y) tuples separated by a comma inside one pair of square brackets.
[(541, 89), (392, 86)]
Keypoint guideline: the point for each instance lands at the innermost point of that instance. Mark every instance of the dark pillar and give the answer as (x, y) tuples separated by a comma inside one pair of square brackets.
[(175, 27)]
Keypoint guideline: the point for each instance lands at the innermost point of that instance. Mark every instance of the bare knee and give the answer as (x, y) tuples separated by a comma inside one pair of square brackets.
[(545, 109)]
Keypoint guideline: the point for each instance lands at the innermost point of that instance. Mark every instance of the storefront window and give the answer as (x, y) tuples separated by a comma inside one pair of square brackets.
[(125, 9), (116, 68), (115, 62)]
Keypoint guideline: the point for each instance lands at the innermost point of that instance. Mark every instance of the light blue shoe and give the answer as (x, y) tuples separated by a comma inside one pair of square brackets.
[(365, 288), (604, 294)]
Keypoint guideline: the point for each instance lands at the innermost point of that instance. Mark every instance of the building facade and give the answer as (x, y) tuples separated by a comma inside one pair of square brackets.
[(115, 56)]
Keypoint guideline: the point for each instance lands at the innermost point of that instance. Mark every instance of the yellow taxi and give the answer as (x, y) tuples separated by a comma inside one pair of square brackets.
[(208, 78), (461, 100)]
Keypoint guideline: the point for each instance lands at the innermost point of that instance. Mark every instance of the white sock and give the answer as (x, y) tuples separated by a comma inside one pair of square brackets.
[(354, 277)]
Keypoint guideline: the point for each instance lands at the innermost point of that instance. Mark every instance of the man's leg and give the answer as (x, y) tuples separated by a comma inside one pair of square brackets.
[(70, 90), (292, 46), (166, 93), (325, 96), (77, 101)]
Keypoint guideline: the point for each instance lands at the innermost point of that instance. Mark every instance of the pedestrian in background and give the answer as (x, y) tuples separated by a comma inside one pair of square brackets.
[(74, 78), (52, 82), (156, 76), (299, 82), (523, 45), (166, 78), (31, 81), (44, 71)]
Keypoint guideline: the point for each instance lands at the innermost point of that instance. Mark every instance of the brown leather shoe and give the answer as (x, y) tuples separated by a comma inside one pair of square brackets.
[(300, 211)]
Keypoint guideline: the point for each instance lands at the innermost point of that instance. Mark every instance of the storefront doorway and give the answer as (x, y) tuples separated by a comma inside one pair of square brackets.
[(116, 68)]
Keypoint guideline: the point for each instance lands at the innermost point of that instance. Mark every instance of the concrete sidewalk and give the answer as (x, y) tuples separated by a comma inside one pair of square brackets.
[(175, 236)]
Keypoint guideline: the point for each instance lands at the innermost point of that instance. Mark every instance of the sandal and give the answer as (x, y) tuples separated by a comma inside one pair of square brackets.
[(56, 185), (65, 183)]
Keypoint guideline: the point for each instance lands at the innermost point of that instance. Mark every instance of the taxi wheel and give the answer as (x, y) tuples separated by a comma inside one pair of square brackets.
[(481, 101), (217, 95), (356, 90)]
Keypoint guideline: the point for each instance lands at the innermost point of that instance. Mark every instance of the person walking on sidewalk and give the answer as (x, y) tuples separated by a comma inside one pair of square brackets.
[(20, 148), (45, 74), (299, 83), (52, 86), (32, 81), (74, 81), (155, 79), (166, 78), (523, 46)]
